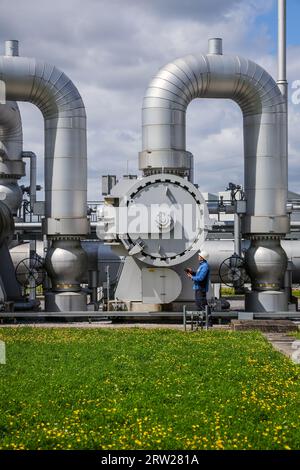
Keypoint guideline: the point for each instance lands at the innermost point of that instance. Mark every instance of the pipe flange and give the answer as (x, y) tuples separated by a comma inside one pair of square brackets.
[(161, 236), (265, 237), (64, 237), (167, 178)]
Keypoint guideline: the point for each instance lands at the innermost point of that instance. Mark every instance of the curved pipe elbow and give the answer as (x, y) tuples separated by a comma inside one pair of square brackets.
[(265, 131), (65, 139)]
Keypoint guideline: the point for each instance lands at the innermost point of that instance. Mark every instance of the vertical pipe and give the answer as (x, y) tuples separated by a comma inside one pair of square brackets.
[(237, 234), (32, 158), (108, 287), (32, 254), (215, 46), (12, 48), (282, 76)]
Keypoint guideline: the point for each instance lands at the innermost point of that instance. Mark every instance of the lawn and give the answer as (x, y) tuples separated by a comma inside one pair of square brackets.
[(146, 389)]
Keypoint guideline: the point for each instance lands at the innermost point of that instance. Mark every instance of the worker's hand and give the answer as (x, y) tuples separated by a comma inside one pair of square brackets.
[(189, 275)]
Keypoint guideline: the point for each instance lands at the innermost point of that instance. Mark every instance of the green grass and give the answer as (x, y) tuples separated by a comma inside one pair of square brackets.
[(227, 291), (146, 389)]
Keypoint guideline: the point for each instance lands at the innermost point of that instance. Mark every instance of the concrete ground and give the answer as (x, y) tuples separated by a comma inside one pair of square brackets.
[(285, 344), (92, 325)]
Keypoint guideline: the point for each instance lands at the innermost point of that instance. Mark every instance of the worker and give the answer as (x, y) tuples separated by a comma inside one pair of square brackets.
[(201, 280)]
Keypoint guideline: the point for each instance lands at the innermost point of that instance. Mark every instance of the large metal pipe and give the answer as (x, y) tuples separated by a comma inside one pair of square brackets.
[(265, 134), (98, 255), (264, 110), (64, 114), (6, 223), (12, 167), (12, 47), (220, 250), (215, 46), (282, 76), (11, 135), (32, 158)]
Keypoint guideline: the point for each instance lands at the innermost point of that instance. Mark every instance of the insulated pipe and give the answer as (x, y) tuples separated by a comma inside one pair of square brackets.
[(11, 135), (65, 139), (282, 77), (32, 158), (220, 250), (65, 169), (6, 223), (215, 46), (12, 48), (264, 112), (12, 167)]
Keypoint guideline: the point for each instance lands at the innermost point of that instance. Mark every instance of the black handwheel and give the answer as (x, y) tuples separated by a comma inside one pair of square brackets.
[(30, 271), (233, 272)]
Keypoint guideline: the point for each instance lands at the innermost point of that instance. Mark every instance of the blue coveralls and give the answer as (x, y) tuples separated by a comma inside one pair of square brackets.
[(201, 284)]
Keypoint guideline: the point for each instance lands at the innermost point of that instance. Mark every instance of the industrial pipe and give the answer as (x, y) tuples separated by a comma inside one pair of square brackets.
[(32, 158), (65, 139), (265, 141), (12, 167), (282, 76), (254, 90), (65, 161)]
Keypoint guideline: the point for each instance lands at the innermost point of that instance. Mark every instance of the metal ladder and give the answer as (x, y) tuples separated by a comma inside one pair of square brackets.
[(196, 318)]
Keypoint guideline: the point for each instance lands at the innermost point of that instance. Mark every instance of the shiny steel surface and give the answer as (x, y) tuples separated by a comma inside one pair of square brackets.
[(66, 263), (167, 216), (215, 46), (282, 77), (65, 137), (11, 194), (12, 47), (266, 264), (264, 114), (6, 223), (11, 145), (11, 135)]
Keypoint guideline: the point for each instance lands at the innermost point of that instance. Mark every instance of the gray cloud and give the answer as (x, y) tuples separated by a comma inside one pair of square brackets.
[(112, 48)]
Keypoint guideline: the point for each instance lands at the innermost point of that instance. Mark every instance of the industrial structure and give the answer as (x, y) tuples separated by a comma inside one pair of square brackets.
[(131, 251)]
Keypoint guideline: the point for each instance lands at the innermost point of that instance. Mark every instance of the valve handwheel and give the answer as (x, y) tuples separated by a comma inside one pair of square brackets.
[(233, 272), (30, 271)]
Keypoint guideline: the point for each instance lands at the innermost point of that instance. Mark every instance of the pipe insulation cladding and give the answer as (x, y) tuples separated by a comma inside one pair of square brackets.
[(264, 114), (12, 168), (11, 135), (65, 219), (264, 110), (64, 115)]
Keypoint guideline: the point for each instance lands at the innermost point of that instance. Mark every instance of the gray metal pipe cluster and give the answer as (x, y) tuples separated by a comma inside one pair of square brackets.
[(64, 115), (264, 111), (264, 108)]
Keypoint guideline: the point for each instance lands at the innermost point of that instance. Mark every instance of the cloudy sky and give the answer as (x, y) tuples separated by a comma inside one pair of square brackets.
[(112, 48)]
